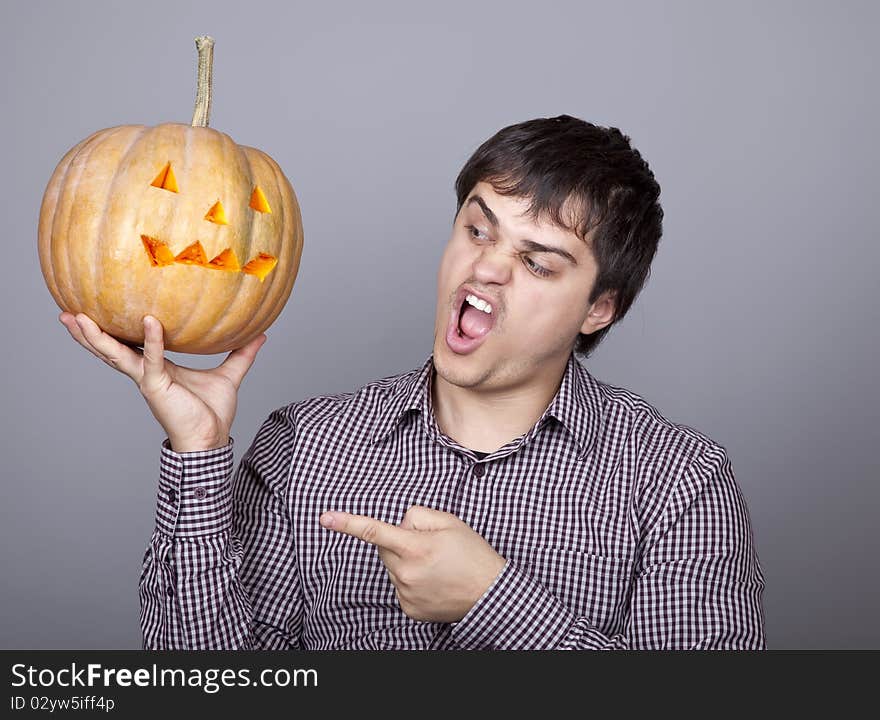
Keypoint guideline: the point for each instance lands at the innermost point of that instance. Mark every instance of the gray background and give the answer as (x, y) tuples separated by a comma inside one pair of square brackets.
[(758, 325)]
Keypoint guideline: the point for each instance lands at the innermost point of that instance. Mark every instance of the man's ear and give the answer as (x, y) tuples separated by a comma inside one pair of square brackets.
[(601, 313)]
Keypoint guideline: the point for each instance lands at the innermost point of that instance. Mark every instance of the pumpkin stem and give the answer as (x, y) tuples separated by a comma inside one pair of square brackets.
[(205, 46)]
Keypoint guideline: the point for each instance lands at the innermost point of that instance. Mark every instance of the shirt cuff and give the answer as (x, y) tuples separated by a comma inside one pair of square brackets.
[(195, 492), (515, 613)]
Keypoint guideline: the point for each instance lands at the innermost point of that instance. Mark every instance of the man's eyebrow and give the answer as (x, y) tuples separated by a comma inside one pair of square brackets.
[(533, 246), (490, 216), (530, 245)]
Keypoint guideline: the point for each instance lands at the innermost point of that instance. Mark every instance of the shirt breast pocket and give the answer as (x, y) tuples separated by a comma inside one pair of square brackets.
[(593, 586)]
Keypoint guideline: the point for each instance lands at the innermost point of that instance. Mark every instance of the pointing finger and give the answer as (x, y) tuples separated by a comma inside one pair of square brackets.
[(369, 530)]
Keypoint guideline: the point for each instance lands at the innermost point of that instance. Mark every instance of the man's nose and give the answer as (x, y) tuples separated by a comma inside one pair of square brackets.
[(494, 264)]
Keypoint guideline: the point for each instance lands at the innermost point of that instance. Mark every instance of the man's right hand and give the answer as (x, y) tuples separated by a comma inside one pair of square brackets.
[(195, 407)]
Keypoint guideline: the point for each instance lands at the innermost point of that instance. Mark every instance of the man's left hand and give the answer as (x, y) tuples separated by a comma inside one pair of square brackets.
[(439, 566)]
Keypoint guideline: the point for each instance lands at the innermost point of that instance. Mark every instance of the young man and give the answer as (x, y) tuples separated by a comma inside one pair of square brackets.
[(499, 496)]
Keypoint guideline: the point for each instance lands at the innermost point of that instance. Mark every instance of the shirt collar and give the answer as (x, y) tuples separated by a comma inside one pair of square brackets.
[(577, 405), (409, 392)]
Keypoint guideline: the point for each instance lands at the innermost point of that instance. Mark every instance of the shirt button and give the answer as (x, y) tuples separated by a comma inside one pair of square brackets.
[(169, 591), (172, 496), (200, 493), (479, 470)]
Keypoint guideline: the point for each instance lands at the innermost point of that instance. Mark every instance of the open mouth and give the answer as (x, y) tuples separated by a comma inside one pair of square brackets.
[(461, 310), (469, 326)]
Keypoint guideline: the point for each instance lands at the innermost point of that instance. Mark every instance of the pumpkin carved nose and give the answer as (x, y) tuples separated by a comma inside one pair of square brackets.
[(217, 214)]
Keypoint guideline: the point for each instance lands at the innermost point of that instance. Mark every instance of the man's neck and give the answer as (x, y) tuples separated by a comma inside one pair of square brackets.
[(487, 420)]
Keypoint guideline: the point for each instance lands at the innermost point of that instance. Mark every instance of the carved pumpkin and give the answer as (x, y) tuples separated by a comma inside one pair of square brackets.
[(175, 221)]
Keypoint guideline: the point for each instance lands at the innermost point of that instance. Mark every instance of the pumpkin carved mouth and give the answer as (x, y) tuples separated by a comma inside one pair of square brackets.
[(160, 255)]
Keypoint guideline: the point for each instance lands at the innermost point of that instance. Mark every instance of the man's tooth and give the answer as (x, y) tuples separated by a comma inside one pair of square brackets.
[(479, 303)]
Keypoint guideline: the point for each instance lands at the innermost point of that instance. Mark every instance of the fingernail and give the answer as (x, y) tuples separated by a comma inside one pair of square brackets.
[(327, 520)]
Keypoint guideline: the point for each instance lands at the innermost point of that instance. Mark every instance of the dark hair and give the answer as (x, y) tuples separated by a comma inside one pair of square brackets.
[(586, 179)]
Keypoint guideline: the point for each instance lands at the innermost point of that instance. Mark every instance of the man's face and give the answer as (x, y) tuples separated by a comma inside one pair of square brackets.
[(538, 295)]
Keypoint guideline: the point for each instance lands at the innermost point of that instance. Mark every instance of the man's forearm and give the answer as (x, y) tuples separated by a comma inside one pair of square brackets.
[(190, 594)]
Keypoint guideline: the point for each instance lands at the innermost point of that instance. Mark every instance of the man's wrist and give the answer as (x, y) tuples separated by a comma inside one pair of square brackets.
[(194, 497), (515, 613), (491, 577), (187, 445)]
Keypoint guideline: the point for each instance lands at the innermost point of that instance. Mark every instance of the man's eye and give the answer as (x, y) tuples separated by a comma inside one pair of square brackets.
[(476, 233), (537, 269)]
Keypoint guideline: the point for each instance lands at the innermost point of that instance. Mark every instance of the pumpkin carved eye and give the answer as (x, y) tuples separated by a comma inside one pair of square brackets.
[(165, 179), (259, 202)]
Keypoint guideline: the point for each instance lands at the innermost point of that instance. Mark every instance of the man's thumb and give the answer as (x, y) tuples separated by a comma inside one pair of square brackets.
[(239, 361), (419, 517)]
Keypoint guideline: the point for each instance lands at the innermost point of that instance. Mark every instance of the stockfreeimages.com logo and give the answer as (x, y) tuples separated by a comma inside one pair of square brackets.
[(210, 680)]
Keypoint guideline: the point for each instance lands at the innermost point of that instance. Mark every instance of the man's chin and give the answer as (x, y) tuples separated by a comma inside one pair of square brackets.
[(464, 371)]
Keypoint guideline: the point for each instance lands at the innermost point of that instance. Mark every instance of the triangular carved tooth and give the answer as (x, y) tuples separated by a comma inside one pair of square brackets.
[(217, 214), (226, 261), (165, 179), (259, 202), (159, 255), (260, 266), (192, 255), (157, 251)]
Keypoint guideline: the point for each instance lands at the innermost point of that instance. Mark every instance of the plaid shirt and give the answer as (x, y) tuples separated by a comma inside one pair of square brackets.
[(621, 529)]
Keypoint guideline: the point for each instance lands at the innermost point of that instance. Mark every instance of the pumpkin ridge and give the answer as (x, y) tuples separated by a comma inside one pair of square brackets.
[(99, 267), (171, 335), (48, 224), (289, 209), (281, 271), (268, 290), (207, 311), (71, 283), (285, 206), (55, 246), (221, 327)]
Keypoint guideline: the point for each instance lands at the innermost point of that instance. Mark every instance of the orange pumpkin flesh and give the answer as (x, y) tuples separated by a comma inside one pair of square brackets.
[(165, 179), (259, 202), (174, 221)]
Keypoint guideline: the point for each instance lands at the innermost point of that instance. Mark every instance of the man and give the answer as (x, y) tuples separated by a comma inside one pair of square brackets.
[(498, 497)]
